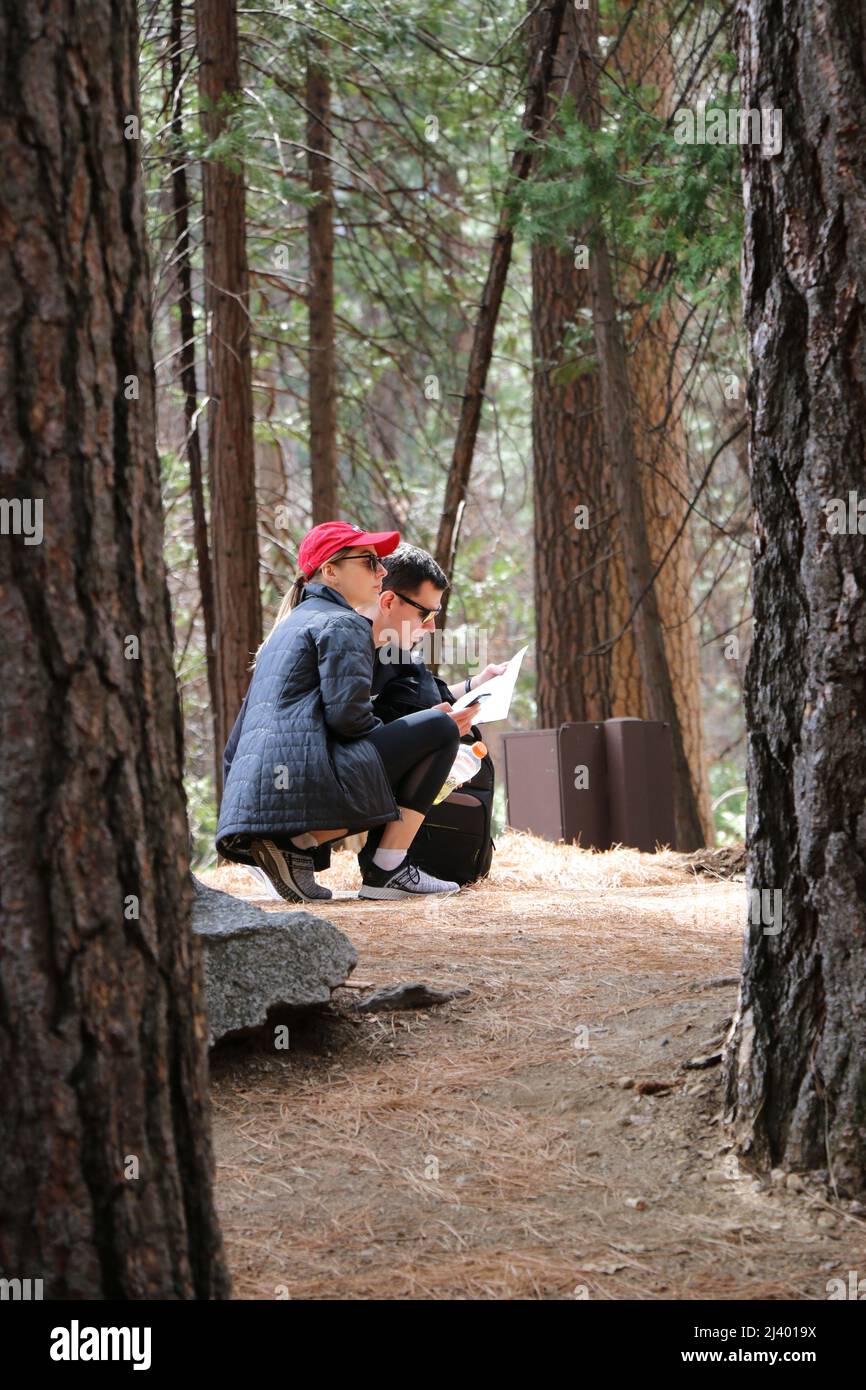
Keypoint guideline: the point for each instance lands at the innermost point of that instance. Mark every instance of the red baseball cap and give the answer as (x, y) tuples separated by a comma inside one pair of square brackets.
[(328, 537)]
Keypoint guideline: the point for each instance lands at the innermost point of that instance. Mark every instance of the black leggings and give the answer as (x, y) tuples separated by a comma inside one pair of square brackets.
[(417, 751)]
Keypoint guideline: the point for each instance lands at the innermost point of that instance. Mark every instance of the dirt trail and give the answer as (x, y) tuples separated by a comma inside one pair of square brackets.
[(489, 1148)]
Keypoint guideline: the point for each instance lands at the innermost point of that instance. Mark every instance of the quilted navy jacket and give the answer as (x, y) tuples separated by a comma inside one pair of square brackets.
[(298, 757)]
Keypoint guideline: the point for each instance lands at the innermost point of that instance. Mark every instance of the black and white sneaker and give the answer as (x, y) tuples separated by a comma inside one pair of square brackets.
[(267, 888), (289, 872), (406, 881)]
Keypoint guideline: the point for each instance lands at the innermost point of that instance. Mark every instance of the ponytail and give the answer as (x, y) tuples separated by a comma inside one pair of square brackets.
[(292, 598)]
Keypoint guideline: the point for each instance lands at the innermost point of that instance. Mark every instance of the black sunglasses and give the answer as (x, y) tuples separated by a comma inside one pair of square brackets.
[(427, 612), (371, 561)]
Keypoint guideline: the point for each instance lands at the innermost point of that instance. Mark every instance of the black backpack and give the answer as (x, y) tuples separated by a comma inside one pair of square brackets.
[(455, 840)]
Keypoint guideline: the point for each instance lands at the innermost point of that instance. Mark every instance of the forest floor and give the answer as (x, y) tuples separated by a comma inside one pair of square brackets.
[(498, 1146)]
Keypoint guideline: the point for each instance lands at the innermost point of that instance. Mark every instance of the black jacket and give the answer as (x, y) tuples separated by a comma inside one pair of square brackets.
[(297, 758), (402, 684), (405, 685)]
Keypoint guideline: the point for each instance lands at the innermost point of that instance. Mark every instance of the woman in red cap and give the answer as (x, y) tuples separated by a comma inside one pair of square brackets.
[(308, 761)]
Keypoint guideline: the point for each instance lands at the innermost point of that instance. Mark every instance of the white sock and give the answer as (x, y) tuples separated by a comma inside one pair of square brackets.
[(305, 841), (389, 858)]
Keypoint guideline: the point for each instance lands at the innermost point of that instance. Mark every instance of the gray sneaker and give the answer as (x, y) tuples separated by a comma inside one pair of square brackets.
[(290, 873), (406, 881)]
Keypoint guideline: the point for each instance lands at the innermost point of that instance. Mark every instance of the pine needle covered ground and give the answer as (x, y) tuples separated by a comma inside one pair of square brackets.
[(508, 1144)]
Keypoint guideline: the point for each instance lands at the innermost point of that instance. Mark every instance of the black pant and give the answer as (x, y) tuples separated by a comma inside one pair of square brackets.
[(417, 752)]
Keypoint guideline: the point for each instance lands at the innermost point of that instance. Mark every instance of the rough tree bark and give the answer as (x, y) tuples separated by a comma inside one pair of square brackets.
[(491, 298), (645, 57), (231, 456), (617, 411), (796, 1070), (105, 1184), (581, 595), (571, 563), (320, 296)]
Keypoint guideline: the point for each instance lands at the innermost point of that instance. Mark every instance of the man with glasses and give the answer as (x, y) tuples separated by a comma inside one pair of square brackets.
[(407, 608)]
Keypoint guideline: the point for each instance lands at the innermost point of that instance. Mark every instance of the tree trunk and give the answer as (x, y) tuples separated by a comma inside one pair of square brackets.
[(590, 576), (105, 1186), (572, 560), (183, 252), (491, 299), (320, 238), (661, 451), (231, 457), (796, 1072), (573, 549), (645, 56), (617, 413), (581, 596)]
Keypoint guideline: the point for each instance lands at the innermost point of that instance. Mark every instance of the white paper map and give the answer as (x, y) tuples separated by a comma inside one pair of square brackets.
[(499, 692)]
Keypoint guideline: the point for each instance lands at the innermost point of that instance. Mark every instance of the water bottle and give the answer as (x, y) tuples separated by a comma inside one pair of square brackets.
[(463, 769)]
